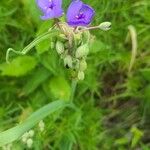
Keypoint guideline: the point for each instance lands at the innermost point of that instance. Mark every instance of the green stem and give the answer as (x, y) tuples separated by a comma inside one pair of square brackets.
[(31, 45), (73, 88)]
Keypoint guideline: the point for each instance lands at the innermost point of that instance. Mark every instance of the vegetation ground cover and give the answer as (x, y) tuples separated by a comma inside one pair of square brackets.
[(113, 100)]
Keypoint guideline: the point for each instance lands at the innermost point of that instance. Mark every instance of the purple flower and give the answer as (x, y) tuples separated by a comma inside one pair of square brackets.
[(79, 14), (50, 8)]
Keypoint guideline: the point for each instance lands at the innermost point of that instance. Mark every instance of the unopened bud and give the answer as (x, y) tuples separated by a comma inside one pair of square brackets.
[(25, 135), (68, 61), (78, 36), (31, 133), (24, 139), (81, 75), (29, 143), (105, 26), (62, 37), (82, 51), (59, 47), (83, 65), (41, 125)]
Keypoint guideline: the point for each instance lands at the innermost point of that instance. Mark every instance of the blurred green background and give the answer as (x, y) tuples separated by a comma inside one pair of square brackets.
[(114, 104)]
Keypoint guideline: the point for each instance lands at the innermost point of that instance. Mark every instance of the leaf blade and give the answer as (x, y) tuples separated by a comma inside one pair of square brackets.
[(15, 133)]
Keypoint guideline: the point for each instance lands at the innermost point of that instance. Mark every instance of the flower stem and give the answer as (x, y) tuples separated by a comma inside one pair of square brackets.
[(56, 20), (73, 89), (90, 28), (32, 44)]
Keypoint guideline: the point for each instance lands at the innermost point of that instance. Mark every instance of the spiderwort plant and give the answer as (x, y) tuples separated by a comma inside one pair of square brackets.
[(72, 39), (74, 33)]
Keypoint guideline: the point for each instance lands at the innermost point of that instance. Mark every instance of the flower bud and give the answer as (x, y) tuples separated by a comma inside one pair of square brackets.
[(83, 65), (24, 139), (31, 133), (59, 47), (62, 37), (68, 61), (41, 125), (29, 143), (78, 36), (105, 26), (82, 51), (25, 135), (81, 75)]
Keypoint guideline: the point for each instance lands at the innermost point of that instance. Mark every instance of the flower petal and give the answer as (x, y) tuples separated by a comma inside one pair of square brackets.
[(48, 14), (58, 12), (88, 12), (58, 3), (42, 3), (79, 14), (50, 8), (73, 10)]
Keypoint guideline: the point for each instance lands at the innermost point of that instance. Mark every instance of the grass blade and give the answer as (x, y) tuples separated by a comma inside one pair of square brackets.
[(15, 133)]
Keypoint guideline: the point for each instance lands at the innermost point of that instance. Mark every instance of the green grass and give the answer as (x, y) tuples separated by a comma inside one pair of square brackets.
[(113, 103)]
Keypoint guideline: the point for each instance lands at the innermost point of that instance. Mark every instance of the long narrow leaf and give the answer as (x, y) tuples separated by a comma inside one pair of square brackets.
[(15, 133)]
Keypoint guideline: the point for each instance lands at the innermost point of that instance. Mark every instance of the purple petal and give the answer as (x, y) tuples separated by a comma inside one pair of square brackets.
[(52, 14), (58, 12), (88, 12), (50, 8), (48, 15), (42, 3), (58, 3), (79, 14), (73, 10)]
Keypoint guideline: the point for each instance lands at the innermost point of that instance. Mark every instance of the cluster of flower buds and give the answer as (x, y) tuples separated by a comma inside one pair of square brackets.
[(73, 48), (73, 42), (27, 138)]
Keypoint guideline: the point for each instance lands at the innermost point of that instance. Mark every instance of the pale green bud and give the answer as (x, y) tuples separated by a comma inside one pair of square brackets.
[(29, 143), (59, 47), (62, 36), (78, 36), (41, 125), (68, 61), (83, 65), (105, 26), (81, 75), (82, 51), (24, 140), (25, 135), (31, 133)]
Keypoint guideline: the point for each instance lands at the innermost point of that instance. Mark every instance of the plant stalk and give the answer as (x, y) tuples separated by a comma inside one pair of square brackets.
[(73, 89)]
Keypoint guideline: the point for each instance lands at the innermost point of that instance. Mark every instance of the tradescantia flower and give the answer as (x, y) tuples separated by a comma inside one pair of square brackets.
[(79, 14), (50, 8)]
